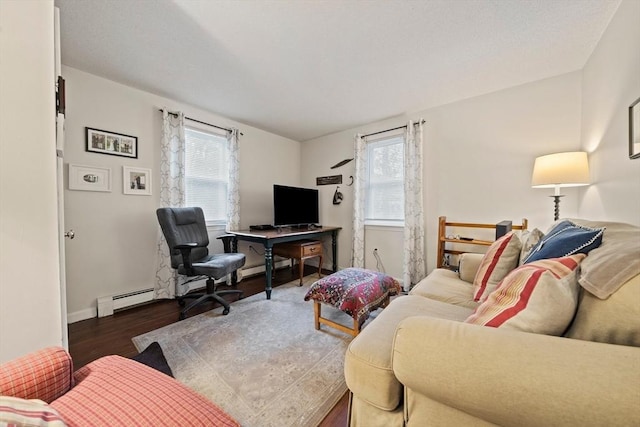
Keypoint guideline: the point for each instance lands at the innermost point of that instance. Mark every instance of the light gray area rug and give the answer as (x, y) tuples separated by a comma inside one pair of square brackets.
[(264, 363)]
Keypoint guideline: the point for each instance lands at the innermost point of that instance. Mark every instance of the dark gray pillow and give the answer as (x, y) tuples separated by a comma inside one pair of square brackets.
[(154, 357)]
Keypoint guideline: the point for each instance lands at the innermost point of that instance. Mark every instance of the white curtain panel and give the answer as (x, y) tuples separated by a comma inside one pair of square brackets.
[(413, 262), (172, 157), (233, 208), (233, 196), (357, 254)]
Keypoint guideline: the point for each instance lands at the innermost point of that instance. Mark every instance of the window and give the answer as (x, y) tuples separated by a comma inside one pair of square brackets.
[(385, 182), (207, 173)]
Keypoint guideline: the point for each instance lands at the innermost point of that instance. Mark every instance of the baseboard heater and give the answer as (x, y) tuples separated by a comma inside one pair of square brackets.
[(108, 305)]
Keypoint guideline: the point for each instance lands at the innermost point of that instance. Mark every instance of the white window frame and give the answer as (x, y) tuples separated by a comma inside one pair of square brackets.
[(370, 146), (212, 224)]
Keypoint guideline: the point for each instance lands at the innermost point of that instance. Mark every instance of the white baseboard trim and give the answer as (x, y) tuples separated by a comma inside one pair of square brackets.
[(260, 269), (77, 316)]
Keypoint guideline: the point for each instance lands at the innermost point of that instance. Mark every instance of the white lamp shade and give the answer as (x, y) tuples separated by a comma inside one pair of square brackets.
[(561, 170)]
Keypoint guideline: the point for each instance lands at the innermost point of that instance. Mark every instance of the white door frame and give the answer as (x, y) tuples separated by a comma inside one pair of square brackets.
[(60, 186)]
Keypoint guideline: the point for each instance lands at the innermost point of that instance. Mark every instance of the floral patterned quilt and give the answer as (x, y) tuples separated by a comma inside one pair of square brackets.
[(356, 291)]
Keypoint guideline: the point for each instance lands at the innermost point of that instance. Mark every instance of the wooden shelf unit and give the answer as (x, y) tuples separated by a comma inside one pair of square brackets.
[(443, 240)]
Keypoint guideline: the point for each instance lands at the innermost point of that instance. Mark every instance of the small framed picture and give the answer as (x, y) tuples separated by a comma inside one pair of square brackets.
[(115, 144), (136, 181), (634, 130), (89, 178)]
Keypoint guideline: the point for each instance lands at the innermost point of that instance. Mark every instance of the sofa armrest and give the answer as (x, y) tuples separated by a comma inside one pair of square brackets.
[(516, 378), (468, 265), (45, 374)]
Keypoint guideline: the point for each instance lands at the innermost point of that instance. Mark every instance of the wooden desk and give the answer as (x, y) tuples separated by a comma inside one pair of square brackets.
[(268, 238)]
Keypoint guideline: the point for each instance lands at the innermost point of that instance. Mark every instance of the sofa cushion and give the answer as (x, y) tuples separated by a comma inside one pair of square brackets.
[(468, 265), (564, 239), (368, 366), (445, 286), (539, 297), (501, 257), (115, 388), (15, 411), (615, 320)]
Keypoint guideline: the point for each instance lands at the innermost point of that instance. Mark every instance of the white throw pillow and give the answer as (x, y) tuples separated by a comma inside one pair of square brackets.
[(15, 411), (529, 239)]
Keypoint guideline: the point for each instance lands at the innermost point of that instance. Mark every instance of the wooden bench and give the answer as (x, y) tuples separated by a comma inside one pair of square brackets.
[(354, 291)]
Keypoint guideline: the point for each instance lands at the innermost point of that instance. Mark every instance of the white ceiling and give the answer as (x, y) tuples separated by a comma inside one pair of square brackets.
[(307, 68)]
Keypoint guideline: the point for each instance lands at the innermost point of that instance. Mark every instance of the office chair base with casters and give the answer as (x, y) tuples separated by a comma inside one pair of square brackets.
[(210, 294)]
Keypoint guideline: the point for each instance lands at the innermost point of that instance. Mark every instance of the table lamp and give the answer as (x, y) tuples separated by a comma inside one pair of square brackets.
[(557, 170)]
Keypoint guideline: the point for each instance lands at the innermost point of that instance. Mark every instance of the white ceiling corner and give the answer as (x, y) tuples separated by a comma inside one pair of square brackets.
[(307, 68)]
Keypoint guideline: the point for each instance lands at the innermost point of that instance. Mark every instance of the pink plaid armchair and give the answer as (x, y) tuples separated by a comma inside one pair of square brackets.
[(110, 391)]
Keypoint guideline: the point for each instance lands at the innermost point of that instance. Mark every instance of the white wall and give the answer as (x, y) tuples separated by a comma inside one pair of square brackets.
[(479, 152), (479, 157), (610, 83), (30, 316), (115, 245)]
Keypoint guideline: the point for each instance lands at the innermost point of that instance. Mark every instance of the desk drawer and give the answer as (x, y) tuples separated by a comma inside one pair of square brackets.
[(312, 249), (297, 250)]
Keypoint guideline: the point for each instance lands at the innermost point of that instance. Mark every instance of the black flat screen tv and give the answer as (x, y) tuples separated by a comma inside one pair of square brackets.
[(294, 206)]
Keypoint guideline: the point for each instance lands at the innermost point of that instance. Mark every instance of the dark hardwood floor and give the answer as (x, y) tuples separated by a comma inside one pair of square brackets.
[(97, 337)]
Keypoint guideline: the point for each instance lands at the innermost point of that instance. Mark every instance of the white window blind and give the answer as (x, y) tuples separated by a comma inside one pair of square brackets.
[(385, 181), (207, 173)]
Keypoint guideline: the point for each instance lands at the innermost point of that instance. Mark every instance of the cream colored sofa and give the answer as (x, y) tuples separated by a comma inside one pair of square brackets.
[(418, 364)]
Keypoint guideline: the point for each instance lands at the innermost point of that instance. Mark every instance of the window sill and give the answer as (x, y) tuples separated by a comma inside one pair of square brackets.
[(212, 226), (384, 224)]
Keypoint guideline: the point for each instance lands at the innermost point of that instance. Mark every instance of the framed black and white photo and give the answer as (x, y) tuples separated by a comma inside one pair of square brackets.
[(136, 181), (115, 144), (634, 130), (89, 178)]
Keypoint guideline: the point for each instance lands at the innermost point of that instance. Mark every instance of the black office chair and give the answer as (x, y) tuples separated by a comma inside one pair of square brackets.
[(186, 234)]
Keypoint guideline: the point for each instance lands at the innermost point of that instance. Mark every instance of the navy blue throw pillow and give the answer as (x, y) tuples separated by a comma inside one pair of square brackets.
[(566, 239)]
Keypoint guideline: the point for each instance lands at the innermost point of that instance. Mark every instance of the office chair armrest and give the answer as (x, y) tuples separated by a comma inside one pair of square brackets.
[(226, 241), (185, 250)]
